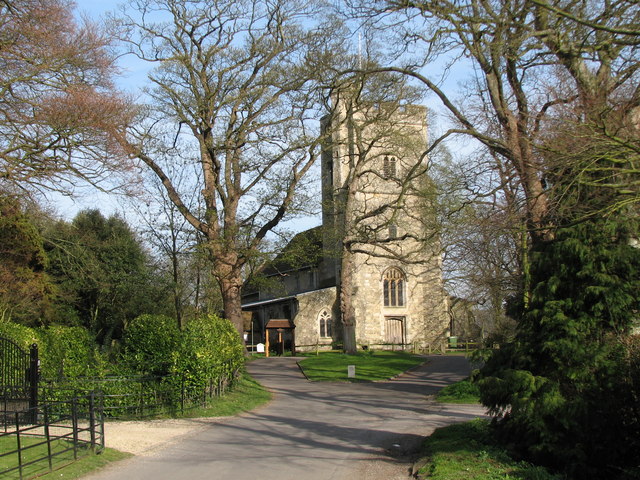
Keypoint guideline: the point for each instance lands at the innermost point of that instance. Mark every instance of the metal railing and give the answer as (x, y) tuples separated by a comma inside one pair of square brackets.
[(145, 396), (71, 428)]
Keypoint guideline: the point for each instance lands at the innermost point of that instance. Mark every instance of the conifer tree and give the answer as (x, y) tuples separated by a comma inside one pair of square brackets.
[(563, 390)]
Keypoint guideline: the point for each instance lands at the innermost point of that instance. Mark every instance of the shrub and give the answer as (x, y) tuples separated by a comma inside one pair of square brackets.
[(560, 391), (23, 336), (464, 391), (209, 345), (69, 352), (150, 344)]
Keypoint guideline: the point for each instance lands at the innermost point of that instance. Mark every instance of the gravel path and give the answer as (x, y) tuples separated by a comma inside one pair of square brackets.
[(144, 437)]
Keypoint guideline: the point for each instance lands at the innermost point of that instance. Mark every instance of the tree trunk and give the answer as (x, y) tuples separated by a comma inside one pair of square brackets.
[(347, 309), (349, 339), (232, 301)]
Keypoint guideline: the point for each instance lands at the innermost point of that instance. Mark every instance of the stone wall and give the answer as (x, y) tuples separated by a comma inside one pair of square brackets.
[(310, 304)]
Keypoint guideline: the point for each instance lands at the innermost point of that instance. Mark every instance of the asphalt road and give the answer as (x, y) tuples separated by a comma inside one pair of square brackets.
[(313, 431)]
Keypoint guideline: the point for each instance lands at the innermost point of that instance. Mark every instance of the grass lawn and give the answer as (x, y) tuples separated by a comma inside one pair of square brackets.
[(63, 465), (459, 392), (466, 452), (369, 366)]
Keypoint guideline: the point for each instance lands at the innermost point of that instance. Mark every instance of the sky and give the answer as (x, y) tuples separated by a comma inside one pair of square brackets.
[(132, 78)]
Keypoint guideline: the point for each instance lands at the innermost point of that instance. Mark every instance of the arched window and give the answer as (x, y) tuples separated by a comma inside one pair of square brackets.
[(393, 285), (325, 323), (389, 167)]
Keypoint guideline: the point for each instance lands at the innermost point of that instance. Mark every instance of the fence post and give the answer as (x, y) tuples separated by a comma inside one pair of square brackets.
[(5, 417), (19, 444), (101, 400), (92, 420), (74, 423), (33, 381), (48, 436)]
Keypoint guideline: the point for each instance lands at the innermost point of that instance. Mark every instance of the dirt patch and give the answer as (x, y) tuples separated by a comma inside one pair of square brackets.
[(143, 437)]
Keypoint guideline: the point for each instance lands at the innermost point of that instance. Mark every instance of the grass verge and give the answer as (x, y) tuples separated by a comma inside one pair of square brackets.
[(369, 366), (460, 392), (245, 396), (63, 463), (466, 451)]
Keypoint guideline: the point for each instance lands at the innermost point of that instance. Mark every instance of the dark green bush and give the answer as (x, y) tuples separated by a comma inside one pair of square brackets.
[(563, 391)]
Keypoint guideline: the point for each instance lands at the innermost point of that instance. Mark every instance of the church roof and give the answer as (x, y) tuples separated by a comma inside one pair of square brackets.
[(302, 252)]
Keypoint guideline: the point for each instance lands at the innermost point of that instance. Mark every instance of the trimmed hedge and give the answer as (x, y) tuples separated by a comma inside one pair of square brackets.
[(69, 352), (21, 335), (150, 344), (209, 345), (160, 367)]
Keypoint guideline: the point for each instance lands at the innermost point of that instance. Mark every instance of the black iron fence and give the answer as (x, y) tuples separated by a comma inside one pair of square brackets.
[(60, 433), (144, 396), (18, 380)]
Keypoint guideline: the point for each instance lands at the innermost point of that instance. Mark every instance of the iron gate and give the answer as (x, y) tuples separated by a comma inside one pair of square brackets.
[(18, 382)]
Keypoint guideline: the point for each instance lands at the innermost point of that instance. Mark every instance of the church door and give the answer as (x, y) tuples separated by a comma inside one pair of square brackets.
[(394, 330)]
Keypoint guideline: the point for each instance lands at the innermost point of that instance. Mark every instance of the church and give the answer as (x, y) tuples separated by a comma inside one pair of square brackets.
[(376, 254)]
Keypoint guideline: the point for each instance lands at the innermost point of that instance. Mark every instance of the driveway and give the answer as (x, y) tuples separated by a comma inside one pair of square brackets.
[(313, 431)]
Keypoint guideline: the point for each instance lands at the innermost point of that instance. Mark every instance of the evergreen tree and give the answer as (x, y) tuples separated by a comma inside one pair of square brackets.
[(566, 391), (26, 291), (104, 274)]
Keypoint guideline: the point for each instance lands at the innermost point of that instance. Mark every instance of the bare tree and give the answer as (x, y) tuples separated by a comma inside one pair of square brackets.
[(528, 59), (548, 82), (169, 233), (55, 96), (236, 80)]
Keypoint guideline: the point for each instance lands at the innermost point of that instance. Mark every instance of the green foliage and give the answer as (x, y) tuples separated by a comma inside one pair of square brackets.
[(151, 344), (26, 291), (560, 389), (23, 336), (103, 274), (464, 391), (68, 352), (209, 345), (159, 369), (467, 451)]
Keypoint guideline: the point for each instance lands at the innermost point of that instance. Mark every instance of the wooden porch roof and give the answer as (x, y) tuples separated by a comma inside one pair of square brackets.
[(280, 323)]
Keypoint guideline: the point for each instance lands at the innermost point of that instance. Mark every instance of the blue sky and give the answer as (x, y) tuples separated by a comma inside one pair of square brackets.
[(132, 78)]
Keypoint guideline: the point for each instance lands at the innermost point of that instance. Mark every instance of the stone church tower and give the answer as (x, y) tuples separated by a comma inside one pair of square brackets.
[(375, 263), (383, 249)]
